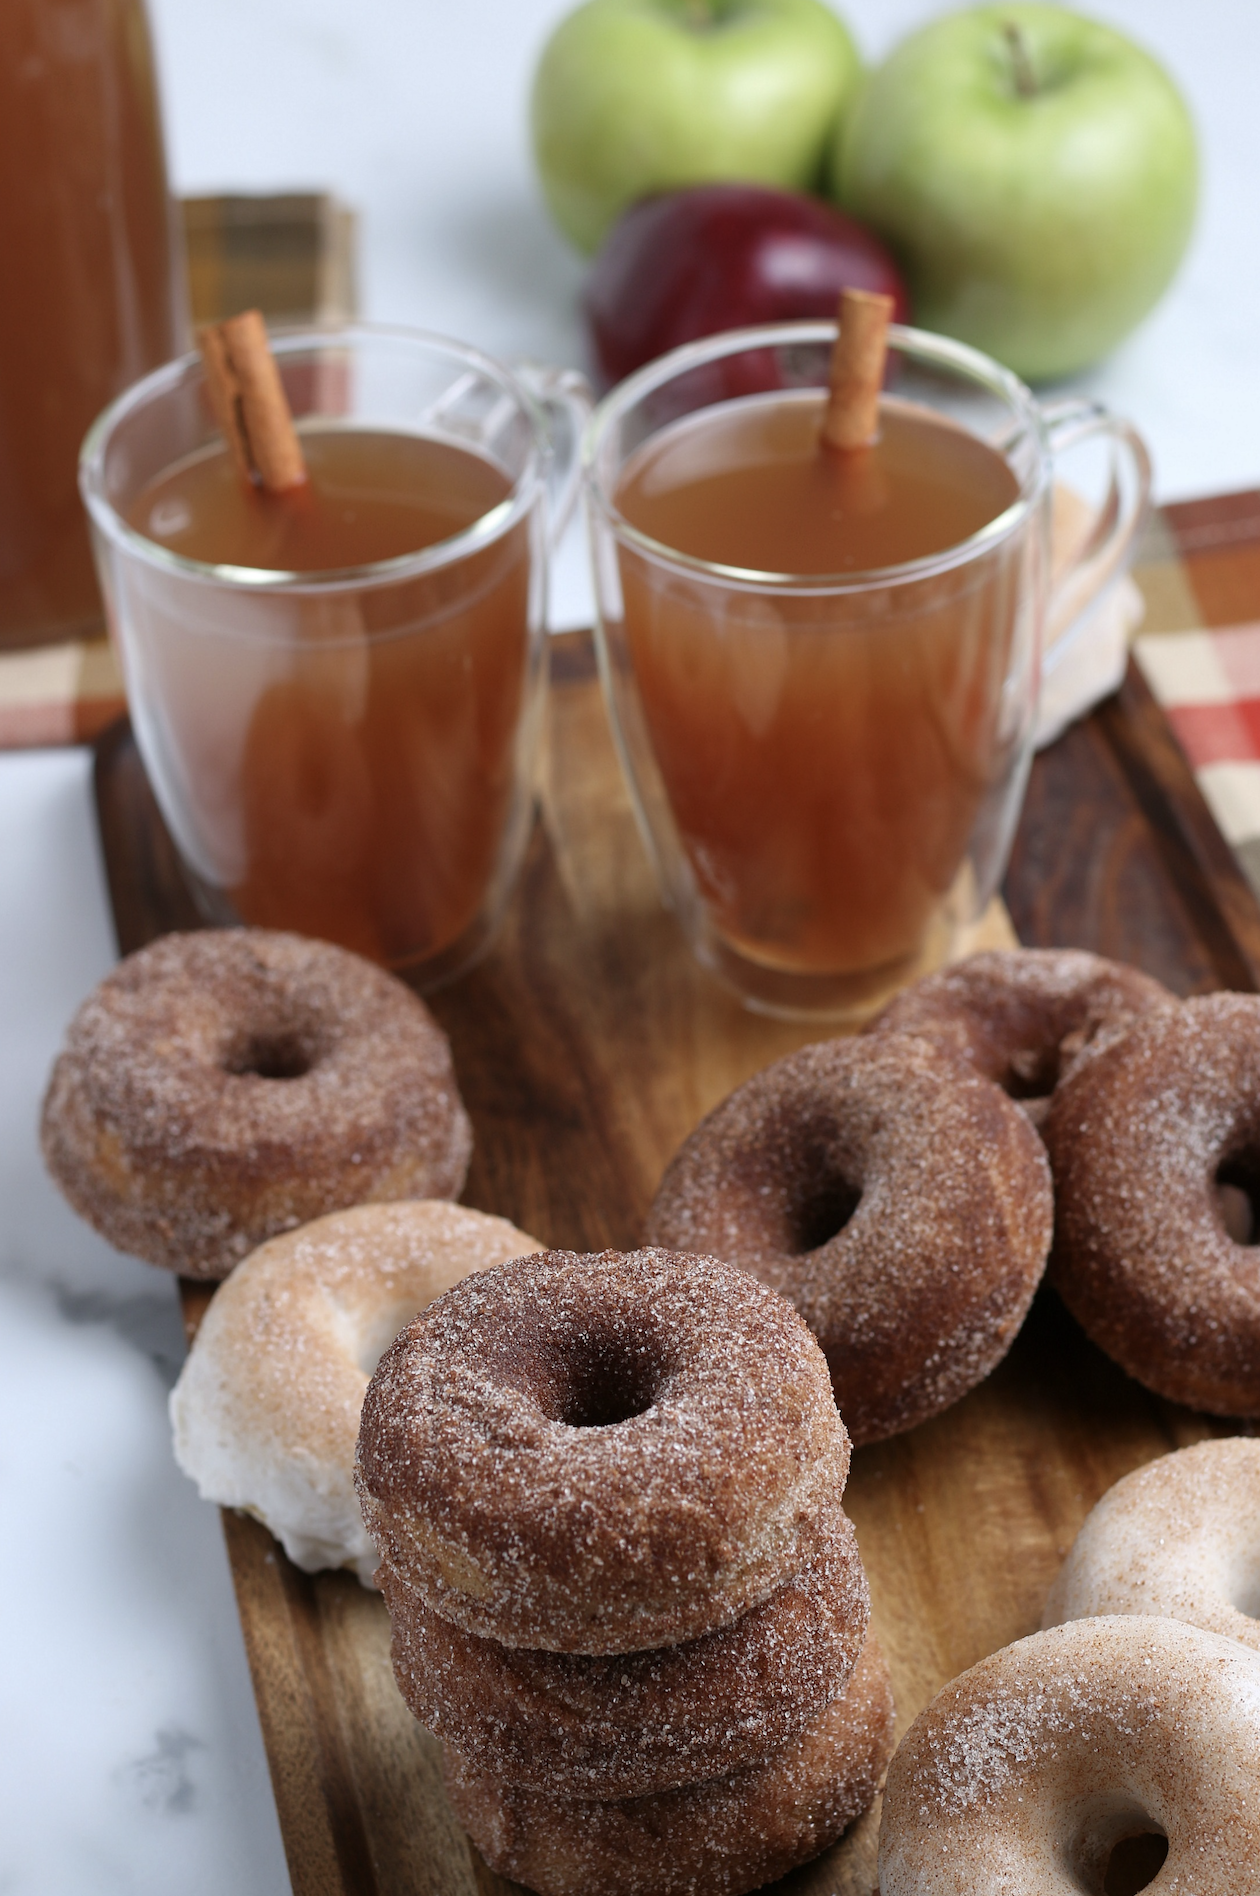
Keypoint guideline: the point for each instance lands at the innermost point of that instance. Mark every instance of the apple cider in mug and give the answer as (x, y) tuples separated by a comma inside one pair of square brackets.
[(825, 754), (356, 782)]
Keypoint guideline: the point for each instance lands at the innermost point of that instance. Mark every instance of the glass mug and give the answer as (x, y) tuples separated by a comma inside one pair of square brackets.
[(349, 754), (828, 769)]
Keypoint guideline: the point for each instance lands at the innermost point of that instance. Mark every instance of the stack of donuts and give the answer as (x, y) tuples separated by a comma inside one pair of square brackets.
[(895, 1188), (606, 1492)]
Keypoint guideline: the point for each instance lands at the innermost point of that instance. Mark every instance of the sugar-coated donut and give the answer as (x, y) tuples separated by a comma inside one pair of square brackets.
[(1180, 1538), (1023, 1016), (1141, 1138), (1035, 1769), (644, 1722), (220, 1087), (730, 1834), (266, 1410), (901, 1201), (600, 1453)]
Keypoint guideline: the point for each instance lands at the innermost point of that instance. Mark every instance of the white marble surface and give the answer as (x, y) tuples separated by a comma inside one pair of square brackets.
[(132, 1755), (133, 1761)]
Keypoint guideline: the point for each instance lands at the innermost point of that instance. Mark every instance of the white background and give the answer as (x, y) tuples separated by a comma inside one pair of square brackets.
[(132, 1759), (414, 111)]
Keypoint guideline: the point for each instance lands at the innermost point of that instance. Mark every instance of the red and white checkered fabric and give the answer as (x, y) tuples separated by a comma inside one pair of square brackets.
[(1208, 683)]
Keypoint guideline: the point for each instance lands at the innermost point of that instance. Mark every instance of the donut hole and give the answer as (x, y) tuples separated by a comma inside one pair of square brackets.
[(1135, 1862), (368, 1337), (583, 1365), (1118, 1850), (819, 1208), (1244, 1595), (272, 1056), (608, 1384), (1032, 1072), (1238, 1196)]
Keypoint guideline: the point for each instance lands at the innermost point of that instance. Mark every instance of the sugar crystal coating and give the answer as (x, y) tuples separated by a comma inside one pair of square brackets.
[(637, 1723), (900, 1200), (717, 1838), (266, 1410), (1023, 1016), (1138, 1139), (600, 1453), (1179, 1538), (1026, 1771), (220, 1087)]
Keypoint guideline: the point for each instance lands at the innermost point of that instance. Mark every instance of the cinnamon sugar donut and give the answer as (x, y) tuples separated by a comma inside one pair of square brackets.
[(600, 1454), (730, 1834), (1040, 1768), (223, 1086), (641, 1722), (1141, 1138), (1023, 1016), (266, 1410), (1179, 1538), (901, 1201)]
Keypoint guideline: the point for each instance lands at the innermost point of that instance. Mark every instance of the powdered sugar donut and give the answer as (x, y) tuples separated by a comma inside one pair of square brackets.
[(1045, 1763), (1179, 1537), (1141, 1139), (900, 1200), (600, 1454), (640, 1722), (266, 1411), (1023, 1016), (222, 1086), (731, 1834)]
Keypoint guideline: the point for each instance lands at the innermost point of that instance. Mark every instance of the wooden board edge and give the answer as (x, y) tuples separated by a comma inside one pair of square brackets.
[(321, 1822), (1203, 867)]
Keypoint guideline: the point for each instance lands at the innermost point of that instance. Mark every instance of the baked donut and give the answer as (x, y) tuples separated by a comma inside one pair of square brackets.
[(1141, 1139), (637, 1723), (1179, 1538), (223, 1086), (730, 1834), (600, 1454), (1023, 1016), (901, 1201), (266, 1409), (1041, 1767)]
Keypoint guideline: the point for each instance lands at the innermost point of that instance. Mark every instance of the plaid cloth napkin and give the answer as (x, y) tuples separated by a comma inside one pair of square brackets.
[(1200, 654)]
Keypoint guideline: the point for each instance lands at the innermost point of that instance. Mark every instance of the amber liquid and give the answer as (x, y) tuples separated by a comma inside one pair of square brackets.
[(93, 294), (342, 763), (371, 495), (824, 756)]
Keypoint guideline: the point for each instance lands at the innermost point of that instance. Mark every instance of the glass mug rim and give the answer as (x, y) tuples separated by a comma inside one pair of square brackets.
[(287, 341), (940, 351)]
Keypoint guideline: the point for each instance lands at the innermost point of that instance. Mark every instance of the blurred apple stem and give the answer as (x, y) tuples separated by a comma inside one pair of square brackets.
[(1021, 62), (699, 14), (851, 419)]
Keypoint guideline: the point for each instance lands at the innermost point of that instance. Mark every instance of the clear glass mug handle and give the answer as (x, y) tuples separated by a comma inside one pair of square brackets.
[(565, 400), (1106, 543)]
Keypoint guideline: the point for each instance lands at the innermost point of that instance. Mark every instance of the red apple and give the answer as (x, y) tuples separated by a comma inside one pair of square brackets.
[(720, 256)]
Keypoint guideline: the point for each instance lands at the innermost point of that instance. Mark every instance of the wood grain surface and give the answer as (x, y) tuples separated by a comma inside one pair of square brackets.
[(588, 1044)]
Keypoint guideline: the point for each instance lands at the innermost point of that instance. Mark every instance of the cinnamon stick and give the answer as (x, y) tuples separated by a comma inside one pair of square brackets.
[(249, 402), (851, 419)]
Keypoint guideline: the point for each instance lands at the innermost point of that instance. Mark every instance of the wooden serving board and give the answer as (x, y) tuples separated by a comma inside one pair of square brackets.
[(587, 1045)]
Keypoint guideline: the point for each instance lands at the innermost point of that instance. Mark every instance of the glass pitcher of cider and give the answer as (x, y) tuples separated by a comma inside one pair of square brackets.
[(94, 288)]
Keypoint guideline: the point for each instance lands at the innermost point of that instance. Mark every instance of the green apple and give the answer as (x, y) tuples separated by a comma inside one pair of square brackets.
[(1035, 174), (632, 97)]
